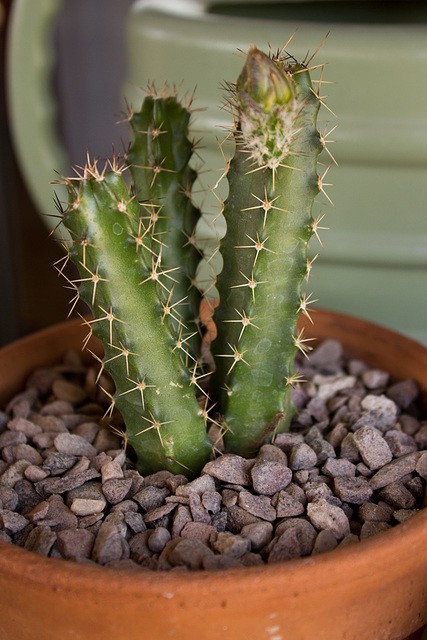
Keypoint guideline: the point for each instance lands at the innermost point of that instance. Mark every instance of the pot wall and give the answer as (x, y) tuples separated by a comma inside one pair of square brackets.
[(372, 591)]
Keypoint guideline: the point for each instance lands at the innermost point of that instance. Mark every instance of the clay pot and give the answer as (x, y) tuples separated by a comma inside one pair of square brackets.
[(370, 591)]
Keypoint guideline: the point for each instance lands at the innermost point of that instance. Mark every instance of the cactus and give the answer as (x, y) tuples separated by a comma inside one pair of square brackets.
[(135, 250), (273, 183)]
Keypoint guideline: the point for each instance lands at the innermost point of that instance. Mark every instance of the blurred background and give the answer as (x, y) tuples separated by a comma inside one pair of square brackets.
[(374, 261)]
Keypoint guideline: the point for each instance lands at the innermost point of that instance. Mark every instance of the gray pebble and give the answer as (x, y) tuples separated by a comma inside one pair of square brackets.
[(61, 485), (27, 452), (372, 528), (285, 441), (230, 544), (237, 518), (398, 496), (160, 516), (199, 485), (158, 539), (383, 407), (87, 430), (57, 463), (421, 465), (198, 511), (28, 428), (8, 497), (68, 391), (74, 445), (326, 516), (116, 489), (181, 516), (287, 506), (12, 439), (189, 553), (325, 541), (199, 530), (40, 540), (338, 467), (134, 521), (272, 453), (285, 547), (259, 506), (373, 448), (403, 393), (269, 477), (211, 501), (109, 545), (304, 531), (349, 449), (230, 468), (12, 522), (353, 490), (375, 378), (302, 456), (380, 512), (400, 443), (259, 534), (76, 543), (150, 497), (395, 470)]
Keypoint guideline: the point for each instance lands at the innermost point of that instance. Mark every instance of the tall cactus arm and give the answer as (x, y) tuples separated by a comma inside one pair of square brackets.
[(159, 162), (128, 289), (269, 218)]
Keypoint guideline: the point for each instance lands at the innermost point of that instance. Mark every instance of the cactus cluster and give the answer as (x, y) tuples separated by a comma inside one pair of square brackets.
[(133, 241)]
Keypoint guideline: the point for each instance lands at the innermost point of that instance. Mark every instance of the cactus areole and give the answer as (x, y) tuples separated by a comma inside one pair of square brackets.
[(136, 251)]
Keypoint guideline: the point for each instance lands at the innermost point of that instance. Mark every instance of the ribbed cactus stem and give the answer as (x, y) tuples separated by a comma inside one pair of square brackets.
[(159, 162), (128, 289), (273, 183)]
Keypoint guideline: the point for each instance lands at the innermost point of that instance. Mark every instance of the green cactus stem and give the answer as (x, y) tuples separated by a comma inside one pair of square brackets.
[(273, 183), (128, 289), (159, 162)]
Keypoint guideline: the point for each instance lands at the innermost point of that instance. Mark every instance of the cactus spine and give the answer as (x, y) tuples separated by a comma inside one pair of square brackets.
[(273, 183), (134, 247)]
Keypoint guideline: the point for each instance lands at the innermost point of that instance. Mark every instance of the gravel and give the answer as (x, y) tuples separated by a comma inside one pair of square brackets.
[(353, 465)]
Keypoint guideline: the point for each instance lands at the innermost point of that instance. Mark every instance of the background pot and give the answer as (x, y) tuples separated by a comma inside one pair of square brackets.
[(370, 591)]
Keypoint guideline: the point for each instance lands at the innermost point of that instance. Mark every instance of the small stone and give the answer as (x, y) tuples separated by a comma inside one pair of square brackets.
[(8, 497), (87, 430), (158, 539), (12, 522), (28, 497), (28, 428), (381, 512), (230, 544), (305, 532), (109, 545), (230, 468), (372, 528), (87, 506), (188, 552), (329, 386), (287, 547), (272, 453), (316, 489), (106, 440), (81, 465), (420, 437), (76, 543), (269, 477), (336, 435), (211, 501), (116, 489), (181, 516), (421, 465), (398, 496), (402, 515), (51, 424), (134, 521), (373, 448), (12, 439), (57, 408), (59, 516), (415, 486), (403, 393), (27, 452), (353, 490), (375, 378), (68, 392), (325, 541), (199, 486), (323, 449), (238, 518), (328, 353), (74, 445), (409, 424), (57, 463), (14, 473), (199, 530), (287, 506), (326, 516), (39, 512), (40, 540), (259, 534), (160, 516), (400, 443), (198, 511), (285, 441), (150, 497), (349, 449), (229, 497), (219, 520), (61, 485), (383, 407), (394, 471), (334, 467), (352, 538), (259, 506), (302, 456)]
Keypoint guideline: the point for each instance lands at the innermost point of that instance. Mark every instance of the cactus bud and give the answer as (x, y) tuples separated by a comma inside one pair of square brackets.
[(263, 82)]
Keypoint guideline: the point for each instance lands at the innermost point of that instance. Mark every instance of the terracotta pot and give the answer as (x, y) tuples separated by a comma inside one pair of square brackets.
[(370, 591)]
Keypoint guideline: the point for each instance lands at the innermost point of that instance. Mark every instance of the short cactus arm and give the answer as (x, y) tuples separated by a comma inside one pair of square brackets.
[(257, 339), (127, 288), (159, 161)]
